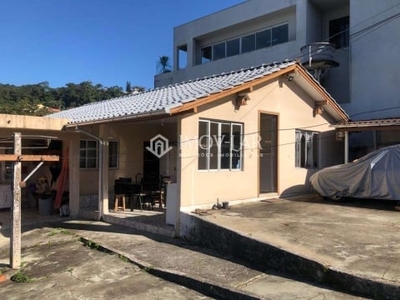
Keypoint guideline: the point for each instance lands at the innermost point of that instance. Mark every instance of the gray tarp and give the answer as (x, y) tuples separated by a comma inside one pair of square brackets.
[(375, 176)]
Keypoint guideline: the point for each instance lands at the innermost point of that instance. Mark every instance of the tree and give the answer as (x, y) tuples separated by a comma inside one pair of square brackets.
[(164, 64), (39, 99), (128, 87)]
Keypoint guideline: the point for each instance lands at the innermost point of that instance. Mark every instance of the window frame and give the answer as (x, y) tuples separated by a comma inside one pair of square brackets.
[(337, 35), (88, 149), (307, 149), (214, 156), (113, 155), (207, 53)]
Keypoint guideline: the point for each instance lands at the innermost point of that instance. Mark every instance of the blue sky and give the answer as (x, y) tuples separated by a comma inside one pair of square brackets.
[(108, 42)]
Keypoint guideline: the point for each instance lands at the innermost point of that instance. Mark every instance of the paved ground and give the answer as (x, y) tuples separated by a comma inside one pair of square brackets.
[(355, 237), (62, 267), (358, 237)]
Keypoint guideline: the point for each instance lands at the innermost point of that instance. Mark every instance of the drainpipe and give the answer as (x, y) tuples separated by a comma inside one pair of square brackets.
[(100, 191)]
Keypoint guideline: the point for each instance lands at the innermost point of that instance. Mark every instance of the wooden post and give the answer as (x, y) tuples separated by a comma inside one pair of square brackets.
[(15, 251), (17, 158)]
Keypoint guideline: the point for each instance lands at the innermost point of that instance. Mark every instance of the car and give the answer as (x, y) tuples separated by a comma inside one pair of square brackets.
[(373, 176)]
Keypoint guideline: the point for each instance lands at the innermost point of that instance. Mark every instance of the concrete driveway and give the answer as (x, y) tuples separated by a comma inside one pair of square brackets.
[(358, 237)]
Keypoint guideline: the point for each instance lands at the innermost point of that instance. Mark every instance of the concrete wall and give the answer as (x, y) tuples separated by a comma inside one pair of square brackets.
[(205, 187), (374, 75), (247, 17), (308, 23)]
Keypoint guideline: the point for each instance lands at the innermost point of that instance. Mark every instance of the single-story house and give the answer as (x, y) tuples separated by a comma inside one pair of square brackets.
[(234, 136)]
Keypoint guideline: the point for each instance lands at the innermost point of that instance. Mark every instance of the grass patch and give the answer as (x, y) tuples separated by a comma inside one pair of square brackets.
[(20, 277), (60, 231), (123, 258)]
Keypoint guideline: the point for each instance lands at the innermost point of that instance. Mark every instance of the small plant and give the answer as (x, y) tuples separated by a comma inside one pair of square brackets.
[(123, 258), (20, 277), (60, 231), (92, 245)]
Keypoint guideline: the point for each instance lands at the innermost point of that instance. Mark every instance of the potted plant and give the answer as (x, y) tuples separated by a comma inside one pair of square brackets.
[(45, 196)]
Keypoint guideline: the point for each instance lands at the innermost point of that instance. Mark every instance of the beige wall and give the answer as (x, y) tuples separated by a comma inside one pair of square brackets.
[(130, 137), (205, 187)]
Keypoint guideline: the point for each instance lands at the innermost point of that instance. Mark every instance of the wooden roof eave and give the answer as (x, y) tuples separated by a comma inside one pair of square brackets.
[(193, 105)]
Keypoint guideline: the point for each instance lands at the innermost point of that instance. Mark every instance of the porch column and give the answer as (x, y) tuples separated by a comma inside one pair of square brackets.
[(74, 176), (346, 147), (103, 132)]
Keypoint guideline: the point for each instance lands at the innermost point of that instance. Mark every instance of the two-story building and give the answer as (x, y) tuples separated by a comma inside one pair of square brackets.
[(349, 45)]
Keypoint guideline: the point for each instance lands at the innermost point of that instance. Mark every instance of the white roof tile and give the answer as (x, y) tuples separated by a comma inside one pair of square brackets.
[(163, 98)]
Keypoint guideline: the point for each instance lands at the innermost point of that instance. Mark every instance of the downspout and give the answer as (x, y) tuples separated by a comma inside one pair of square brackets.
[(346, 147), (100, 191)]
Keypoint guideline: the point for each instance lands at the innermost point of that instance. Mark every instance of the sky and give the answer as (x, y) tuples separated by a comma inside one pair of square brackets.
[(107, 42)]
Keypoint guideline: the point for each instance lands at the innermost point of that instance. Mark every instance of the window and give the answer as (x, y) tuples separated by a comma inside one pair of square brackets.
[(113, 154), (263, 39), (219, 51), (307, 149), (280, 34), (339, 32), (88, 154), (233, 47), (248, 43), (220, 145), (258, 40), (206, 55), (182, 57)]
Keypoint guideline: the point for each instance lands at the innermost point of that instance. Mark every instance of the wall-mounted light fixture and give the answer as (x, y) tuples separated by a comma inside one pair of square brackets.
[(290, 77)]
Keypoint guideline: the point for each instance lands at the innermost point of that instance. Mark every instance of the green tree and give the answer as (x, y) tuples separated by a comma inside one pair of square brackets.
[(128, 87), (164, 64)]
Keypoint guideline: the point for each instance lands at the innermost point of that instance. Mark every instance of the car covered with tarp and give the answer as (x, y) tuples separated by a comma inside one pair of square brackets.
[(373, 176)]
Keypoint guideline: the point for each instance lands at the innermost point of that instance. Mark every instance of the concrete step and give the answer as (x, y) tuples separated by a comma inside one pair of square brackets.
[(198, 268)]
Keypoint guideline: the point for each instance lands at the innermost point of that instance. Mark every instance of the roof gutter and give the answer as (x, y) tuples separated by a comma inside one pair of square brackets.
[(101, 171)]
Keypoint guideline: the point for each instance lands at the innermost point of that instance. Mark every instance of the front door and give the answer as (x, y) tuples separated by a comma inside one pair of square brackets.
[(151, 164), (268, 153)]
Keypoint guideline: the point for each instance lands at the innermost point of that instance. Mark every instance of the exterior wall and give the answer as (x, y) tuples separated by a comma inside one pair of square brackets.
[(233, 22), (374, 77), (205, 187), (308, 23)]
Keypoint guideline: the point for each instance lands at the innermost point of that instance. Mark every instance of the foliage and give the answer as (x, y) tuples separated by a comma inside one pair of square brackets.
[(164, 64), (40, 99), (20, 277)]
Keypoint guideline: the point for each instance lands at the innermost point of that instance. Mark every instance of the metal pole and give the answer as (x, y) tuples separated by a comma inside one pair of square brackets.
[(15, 242)]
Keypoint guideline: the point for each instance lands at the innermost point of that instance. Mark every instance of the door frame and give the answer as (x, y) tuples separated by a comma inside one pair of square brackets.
[(276, 115)]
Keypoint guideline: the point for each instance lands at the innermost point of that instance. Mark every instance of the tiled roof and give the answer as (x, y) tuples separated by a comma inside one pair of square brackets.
[(160, 100)]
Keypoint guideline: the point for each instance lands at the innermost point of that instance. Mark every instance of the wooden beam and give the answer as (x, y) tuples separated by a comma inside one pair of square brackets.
[(24, 157), (249, 86)]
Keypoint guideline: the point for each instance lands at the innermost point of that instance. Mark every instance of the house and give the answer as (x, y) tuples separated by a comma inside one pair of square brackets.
[(349, 45), (236, 136)]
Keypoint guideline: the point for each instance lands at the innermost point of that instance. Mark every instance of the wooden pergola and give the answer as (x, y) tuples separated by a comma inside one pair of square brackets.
[(17, 158)]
